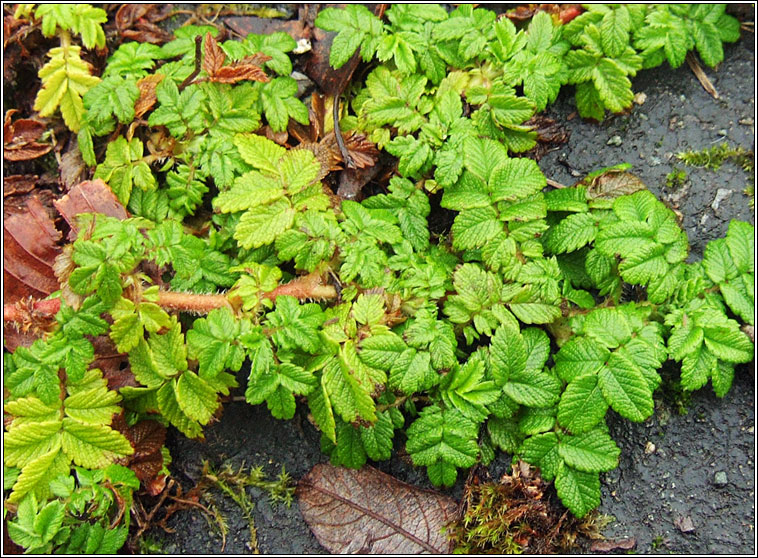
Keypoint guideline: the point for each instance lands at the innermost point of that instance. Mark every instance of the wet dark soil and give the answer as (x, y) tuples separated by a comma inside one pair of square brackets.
[(685, 483)]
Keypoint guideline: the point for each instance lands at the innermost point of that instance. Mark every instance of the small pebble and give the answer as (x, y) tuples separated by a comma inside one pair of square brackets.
[(649, 448), (615, 140), (719, 479), (721, 195), (722, 132)]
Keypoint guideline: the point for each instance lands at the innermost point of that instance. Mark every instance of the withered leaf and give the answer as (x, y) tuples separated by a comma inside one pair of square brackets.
[(611, 545), (147, 97), (20, 138), (19, 184), (613, 184), (367, 511), (137, 22), (90, 196), (30, 246), (73, 169), (114, 365)]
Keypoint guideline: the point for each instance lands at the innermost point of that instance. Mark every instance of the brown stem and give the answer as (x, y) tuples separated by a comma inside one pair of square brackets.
[(19, 311), (198, 60), (189, 302)]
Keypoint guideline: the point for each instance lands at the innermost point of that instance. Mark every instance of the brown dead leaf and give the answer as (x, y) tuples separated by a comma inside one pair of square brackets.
[(19, 184), (610, 546), (114, 365), (147, 96), (137, 22), (613, 184), (30, 246), (90, 196), (20, 138), (367, 511), (73, 169)]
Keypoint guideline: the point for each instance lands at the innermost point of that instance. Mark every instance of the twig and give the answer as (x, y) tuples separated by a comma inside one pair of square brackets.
[(198, 60), (700, 75), (145, 522), (555, 184), (347, 159)]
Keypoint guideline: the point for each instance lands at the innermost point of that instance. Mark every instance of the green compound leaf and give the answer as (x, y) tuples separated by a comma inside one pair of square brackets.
[(377, 439), (582, 404), (625, 388), (65, 79), (357, 28), (508, 354), (579, 491), (593, 451), (533, 389), (350, 398), (93, 445), (467, 391), (442, 436), (542, 451), (571, 233)]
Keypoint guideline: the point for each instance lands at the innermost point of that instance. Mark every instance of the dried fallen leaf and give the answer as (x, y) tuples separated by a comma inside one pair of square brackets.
[(137, 22), (19, 184), (73, 169), (147, 97), (367, 511), (684, 524), (20, 138), (608, 546), (30, 246), (90, 196), (614, 183)]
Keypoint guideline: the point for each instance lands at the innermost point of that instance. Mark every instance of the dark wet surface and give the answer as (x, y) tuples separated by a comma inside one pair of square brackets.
[(673, 467)]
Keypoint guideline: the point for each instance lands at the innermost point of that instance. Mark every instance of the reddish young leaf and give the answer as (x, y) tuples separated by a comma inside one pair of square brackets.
[(147, 437), (367, 511), (90, 196), (239, 72), (213, 57)]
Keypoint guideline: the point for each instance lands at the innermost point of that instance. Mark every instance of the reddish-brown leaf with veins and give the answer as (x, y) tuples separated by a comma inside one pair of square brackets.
[(147, 97), (30, 246), (19, 184), (369, 512), (213, 57), (20, 138), (247, 69), (147, 437), (90, 196)]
